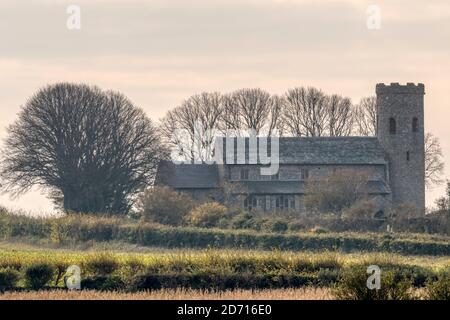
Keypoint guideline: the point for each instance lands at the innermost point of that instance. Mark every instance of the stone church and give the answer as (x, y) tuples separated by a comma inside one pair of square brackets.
[(393, 161)]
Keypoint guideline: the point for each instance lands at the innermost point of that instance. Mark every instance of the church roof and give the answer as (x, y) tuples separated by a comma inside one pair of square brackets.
[(318, 150), (186, 176), (322, 150)]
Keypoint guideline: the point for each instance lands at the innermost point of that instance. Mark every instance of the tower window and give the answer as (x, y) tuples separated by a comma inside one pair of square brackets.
[(415, 125), (407, 156), (392, 126)]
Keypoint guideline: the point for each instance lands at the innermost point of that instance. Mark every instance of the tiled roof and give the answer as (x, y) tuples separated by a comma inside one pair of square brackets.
[(323, 150), (187, 175)]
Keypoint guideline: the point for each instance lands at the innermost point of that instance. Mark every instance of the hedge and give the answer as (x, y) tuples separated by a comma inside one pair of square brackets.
[(86, 228)]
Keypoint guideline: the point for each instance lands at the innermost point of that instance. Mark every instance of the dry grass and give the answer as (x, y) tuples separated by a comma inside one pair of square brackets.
[(179, 294)]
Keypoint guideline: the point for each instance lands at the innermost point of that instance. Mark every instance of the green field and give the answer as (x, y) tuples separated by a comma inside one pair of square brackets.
[(124, 255), (81, 229)]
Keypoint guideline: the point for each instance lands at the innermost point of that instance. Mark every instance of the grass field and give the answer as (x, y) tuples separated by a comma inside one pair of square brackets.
[(21, 253), (179, 294), (81, 230), (120, 259), (130, 269)]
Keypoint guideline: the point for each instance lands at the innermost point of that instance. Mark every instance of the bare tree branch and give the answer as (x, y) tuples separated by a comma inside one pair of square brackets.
[(91, 150), (305, 112), (366, 117), (252, 109), (434, 166), (190, 128), (340, 116)]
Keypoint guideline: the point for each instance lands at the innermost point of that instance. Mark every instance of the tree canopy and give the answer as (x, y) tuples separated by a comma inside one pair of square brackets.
[(91, 150)]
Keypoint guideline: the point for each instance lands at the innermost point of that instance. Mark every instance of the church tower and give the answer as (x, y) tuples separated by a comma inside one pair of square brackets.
[(400, 111)]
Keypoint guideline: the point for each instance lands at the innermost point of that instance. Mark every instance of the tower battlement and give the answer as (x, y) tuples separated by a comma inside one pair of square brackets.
[(396, 88)]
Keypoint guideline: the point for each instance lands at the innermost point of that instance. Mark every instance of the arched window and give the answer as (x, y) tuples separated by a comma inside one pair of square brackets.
[(415, 125), (392, 126)]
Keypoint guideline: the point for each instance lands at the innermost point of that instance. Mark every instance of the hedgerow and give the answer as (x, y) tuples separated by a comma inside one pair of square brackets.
[(212, 270), (81, 228)]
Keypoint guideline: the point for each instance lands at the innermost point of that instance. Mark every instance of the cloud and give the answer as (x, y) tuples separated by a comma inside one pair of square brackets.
[(196, 27), (161, 51)]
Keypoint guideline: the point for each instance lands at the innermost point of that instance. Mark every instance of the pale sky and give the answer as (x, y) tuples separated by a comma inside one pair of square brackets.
[(159, 52)]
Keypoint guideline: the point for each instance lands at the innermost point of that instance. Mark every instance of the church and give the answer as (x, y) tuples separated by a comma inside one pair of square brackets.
[(393, 161)]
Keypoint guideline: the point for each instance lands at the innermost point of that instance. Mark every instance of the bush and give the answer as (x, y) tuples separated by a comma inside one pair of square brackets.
[(352, 285), (246, 220), (296, 226), (8, 279), (37, 276), (208, 215), (275, 225), (318, 230), (402, 213), (102, 264), (363, 209), (163, 205), (221, 281), (339, 190), (439, 289), (327, 277), (102, 283)]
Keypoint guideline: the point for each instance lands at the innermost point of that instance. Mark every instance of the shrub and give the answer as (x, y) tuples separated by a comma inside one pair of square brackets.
[(37, 276), (318, 230), (102, 283), (327, 277), (8, 279), (296, 226), (439, 289), (363, 209), (275, 225), (207, 215), (339, 190), (402, 213), (102, 264), (352, 285), (163, 205), (245, 220), (221, 281)]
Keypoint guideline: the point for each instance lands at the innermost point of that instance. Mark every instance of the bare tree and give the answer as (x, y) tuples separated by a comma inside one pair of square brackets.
[(443, 203), (336, 191), (305, 112), (365, 116), (252, 109), (340, 116), (191, 128), (93, 151), (434, 166)]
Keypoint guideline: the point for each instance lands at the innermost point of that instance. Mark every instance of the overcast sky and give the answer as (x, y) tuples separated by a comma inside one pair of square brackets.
[(160, 52)]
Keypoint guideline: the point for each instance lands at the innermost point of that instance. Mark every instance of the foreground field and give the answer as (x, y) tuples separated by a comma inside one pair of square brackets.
[(83, 229), (179, 294), (30, 272), (29, 253), (218, 270)]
